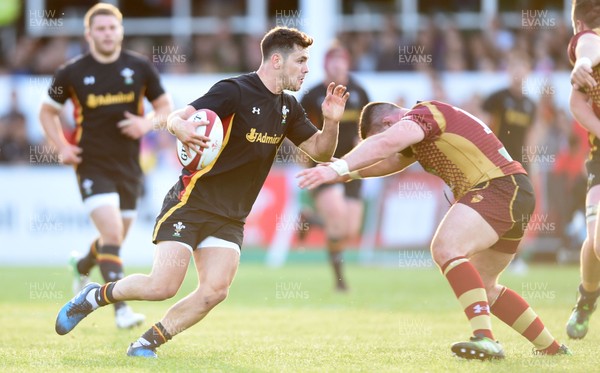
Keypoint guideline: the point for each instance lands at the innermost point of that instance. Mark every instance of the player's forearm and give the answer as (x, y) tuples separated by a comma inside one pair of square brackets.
[(52, 127), (371, 151), (391, 165), (326, 141), (158, 117), (583, 112)]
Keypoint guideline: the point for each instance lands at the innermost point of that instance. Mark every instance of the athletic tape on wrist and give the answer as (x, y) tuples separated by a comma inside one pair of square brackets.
[(583, 61), (340, 167), (355, 175)]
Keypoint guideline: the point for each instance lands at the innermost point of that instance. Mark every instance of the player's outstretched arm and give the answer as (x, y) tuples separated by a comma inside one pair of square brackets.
[(583, 112), (368, 153), (49, 118), (136, 126), (322, 144), (185, 130), (588, 56), (389, 166)]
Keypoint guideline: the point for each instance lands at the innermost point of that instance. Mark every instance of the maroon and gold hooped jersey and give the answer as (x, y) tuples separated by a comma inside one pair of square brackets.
[(593, 93), (458, 147)]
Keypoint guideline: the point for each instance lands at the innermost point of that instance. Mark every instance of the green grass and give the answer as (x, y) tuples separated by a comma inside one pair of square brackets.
[(289, 320)]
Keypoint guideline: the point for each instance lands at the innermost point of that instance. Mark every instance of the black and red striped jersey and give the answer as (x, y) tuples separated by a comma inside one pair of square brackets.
[(101, 93), (255, 123)]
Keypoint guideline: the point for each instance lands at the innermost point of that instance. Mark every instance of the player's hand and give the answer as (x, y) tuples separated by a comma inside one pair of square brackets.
[(581, 77), (69, 154), (185, 131), (335, 102), (311, 178), (133, 126)]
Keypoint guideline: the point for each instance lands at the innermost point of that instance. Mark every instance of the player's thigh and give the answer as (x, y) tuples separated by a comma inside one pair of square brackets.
[(216, 266), (354, 215), (107, 219), (129, 191), (463, 231), (331, 206), (171, 260)]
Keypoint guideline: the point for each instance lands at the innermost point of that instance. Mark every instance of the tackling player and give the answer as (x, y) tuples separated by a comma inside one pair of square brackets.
[(204, 213), (339, 205), (107, 87), (480, 234), (584, 54)]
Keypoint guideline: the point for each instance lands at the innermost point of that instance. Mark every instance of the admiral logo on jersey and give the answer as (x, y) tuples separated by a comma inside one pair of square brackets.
[(93, 101), (264, 138)]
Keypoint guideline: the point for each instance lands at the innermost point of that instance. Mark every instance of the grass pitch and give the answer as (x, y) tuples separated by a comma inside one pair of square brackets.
[(290, 320)]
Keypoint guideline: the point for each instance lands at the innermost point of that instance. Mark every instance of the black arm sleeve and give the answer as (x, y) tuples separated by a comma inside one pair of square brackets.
[(153, 87), (58, 90)]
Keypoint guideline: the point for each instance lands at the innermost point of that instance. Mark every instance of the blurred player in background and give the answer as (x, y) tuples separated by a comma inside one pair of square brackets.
[(107, 87), (584, 54), (480, 234), (203, 214), (339, 205), (512, 113)]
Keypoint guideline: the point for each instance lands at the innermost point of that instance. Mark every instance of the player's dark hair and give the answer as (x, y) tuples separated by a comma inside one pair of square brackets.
[(101, 9), (369, 116), (283, 40), (586, 11)]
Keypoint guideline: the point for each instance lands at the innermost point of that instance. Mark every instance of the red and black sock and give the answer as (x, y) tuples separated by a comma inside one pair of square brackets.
[(111, 266), (154, 337), (104, 295), (85, 264)]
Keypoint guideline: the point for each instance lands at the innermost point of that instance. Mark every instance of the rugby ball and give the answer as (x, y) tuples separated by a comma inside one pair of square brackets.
[(214, 131)]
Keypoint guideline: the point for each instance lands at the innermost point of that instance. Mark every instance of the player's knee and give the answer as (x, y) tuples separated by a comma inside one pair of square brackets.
[(113, 237), (442, 254), (492, 289), (210, 296), (160, 289)]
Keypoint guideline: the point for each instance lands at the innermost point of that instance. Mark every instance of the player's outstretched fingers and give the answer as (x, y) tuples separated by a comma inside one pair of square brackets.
[(330, 88)]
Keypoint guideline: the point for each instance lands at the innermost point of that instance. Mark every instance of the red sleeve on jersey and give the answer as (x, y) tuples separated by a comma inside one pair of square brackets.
[(421, 115), (573, 45)]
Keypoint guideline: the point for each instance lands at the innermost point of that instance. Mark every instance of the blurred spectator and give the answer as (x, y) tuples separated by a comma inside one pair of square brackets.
[(251, 52), (51, 55), (361, 46), (480, 54), (14, 143), (388, 46), (570, 178)]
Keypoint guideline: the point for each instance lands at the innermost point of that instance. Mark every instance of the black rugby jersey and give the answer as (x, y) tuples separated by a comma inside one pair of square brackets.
[(101, 93), (255, 122), (514, 116), (348, 134)]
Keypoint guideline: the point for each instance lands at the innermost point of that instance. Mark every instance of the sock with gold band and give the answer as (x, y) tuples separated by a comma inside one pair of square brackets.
[(470, 291), (85, 264), (111, 266), (153, 337), (515, 312)]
